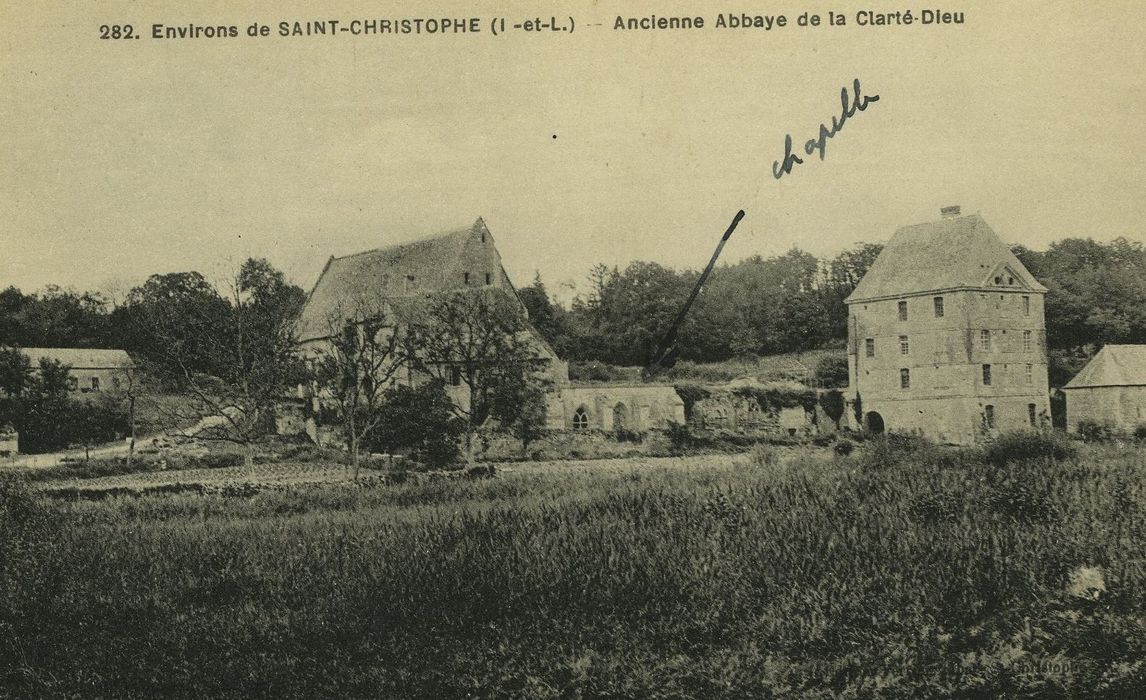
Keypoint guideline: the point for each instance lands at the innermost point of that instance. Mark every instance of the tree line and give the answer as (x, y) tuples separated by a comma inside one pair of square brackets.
[(758, 306), (230, 348)]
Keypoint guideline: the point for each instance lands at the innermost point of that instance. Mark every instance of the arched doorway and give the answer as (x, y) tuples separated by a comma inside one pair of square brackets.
[(620, 417), (874, 423)]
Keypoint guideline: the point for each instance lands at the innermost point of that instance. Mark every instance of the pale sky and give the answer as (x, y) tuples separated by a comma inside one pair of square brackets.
[(119, 159)]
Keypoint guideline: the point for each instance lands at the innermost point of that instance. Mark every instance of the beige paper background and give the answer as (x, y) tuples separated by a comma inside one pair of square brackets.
[(121, 159)]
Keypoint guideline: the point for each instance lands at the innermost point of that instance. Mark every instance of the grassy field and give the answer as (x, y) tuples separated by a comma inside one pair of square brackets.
[(900, 570)]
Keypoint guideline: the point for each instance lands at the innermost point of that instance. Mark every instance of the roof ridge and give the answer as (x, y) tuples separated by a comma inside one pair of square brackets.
[(423, 239)]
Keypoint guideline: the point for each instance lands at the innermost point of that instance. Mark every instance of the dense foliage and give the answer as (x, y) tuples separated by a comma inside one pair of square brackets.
[(758, 306)]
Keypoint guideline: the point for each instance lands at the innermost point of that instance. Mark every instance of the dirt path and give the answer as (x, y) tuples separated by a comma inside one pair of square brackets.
[(328, 472)]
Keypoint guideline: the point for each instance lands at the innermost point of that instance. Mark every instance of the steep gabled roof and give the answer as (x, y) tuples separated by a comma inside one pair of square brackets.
[(385, 274), (81, 358), (1114, 365), (956, 253)]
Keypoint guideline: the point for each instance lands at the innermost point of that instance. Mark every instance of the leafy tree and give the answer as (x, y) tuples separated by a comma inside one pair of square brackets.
[(543, 315), (517, 402), (420, 419), (173, 323), (15, 372), (46, 415)]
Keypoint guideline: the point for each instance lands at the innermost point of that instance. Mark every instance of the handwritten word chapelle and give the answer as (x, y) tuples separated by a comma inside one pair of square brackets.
[(857, 102)]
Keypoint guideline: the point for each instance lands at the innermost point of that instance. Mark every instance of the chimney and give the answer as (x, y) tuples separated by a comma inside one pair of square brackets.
[(949, 212)]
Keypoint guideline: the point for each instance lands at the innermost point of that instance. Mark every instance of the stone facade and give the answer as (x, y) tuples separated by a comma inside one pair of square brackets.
[(611, 407), (947, 338)]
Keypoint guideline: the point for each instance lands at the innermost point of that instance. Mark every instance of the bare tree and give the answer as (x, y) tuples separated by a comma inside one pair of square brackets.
[(474, 340), (361, 358)]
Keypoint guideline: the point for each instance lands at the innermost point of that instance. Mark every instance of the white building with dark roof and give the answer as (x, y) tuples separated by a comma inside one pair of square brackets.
[(1110, 390), (946, 335), (90, 370)]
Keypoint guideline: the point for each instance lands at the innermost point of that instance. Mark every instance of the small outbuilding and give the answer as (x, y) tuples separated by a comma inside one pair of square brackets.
[(1110, 390)]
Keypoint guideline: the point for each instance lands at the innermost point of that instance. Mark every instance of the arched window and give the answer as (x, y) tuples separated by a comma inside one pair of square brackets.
[(580, 419)]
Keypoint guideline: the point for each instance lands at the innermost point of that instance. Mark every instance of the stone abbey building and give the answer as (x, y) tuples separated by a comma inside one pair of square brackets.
[(946, 335), (401, 280)]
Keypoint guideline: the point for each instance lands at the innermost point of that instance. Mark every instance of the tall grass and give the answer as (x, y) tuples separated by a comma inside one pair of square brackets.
[(814, 575)]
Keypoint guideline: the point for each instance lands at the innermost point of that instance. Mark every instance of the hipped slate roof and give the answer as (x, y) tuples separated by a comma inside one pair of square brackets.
[(956, 253), (1114, 365), (81, 358)]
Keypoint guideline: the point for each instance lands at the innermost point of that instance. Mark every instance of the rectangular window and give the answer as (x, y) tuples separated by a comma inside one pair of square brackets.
[(1027, 341), (985, 340), (466, 277), (938, 307), (95, 383), (869, 347), (904, 348), (1026, 306), (986, 375), (989, 416), (904, 379), (1029, 374), (455, 376), (1032, 414), (488, 278), (903, 311)]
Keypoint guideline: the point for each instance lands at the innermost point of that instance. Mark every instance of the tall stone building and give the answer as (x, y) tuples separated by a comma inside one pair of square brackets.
[(946, 335)]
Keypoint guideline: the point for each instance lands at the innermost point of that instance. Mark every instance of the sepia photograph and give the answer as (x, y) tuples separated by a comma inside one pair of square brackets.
[(439, 349)]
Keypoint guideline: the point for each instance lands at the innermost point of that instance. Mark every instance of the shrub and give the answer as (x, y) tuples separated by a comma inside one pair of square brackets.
[(686, 369), (833, 404), (1028, 444), (893, 449), (215, 460), (623, 435), (1094, 431), (844, 447), (594, 371), (1140, 432), (832, 372)]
